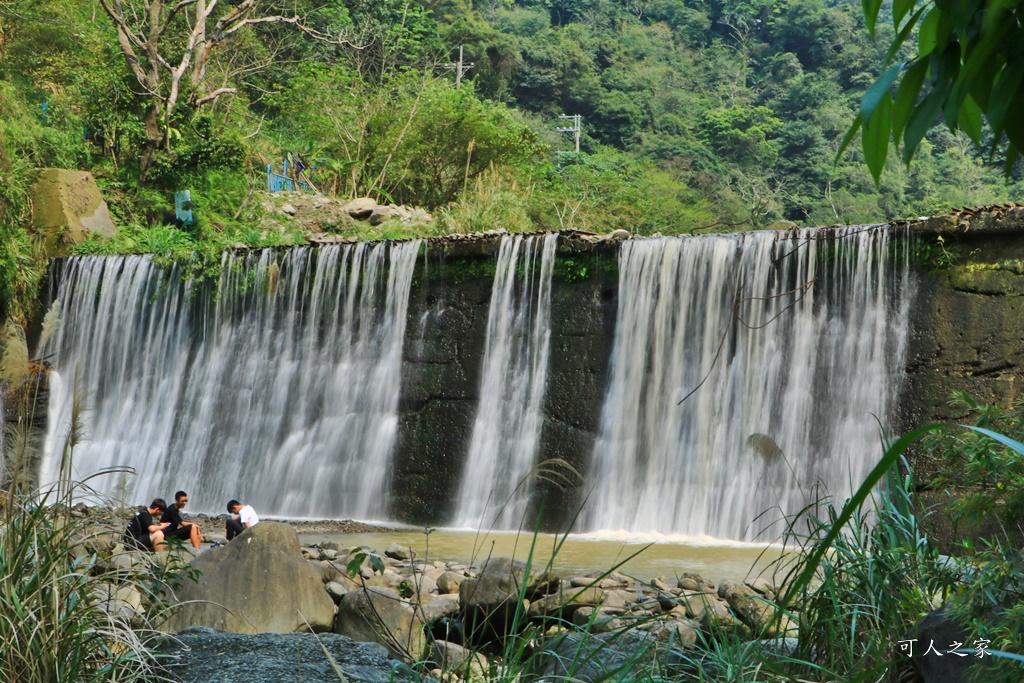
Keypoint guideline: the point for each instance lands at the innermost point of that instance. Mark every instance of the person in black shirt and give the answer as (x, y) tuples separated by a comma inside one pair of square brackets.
[(145, 534), (186, 531)]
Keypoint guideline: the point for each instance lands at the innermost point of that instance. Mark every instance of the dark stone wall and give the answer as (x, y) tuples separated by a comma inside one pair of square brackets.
[(966, 322), (444, 349)]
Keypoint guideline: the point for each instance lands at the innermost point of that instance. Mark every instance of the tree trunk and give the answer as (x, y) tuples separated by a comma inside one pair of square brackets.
[(154, 138)]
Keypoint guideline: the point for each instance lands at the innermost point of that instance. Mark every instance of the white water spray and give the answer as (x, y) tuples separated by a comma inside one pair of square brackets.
[(801, 341), (282, 391), (495, 490)]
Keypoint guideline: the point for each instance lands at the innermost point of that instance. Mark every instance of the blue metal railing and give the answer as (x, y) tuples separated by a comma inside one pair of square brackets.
[(277, 182)]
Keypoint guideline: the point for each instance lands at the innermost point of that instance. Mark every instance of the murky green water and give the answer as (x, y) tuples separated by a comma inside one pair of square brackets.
[(578, 554)]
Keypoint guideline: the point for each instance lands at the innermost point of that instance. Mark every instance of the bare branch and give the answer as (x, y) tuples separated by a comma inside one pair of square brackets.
[(215, 94)]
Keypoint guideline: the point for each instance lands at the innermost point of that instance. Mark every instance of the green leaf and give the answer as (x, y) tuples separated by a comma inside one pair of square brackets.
[(969, 120), (904, 34), (854, 127), (927, 35), (875, 137), (1012, 444), (871, 8), (906, 96), (876, 92), (899, 10), (979, 56), (355, 564), (1002, 96), (921, 119), (377, 563)]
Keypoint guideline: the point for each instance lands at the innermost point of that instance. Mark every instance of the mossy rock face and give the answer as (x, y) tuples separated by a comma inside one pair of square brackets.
[(1003, 278), (67, 208)]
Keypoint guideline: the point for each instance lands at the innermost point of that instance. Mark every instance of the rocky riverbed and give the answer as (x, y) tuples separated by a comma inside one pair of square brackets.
[(445, 618)]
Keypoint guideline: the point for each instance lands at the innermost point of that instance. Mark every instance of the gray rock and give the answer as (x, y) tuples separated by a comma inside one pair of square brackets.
[(379, 615), (206, 656), (257, 583), (288, 209), (463, 661), (566, 601), (449, 582), (379, 215), (400, 552), (360, 208), (499, 582), (437, 608), (335, 590), (754, 610), (584, 581), (598, 620)]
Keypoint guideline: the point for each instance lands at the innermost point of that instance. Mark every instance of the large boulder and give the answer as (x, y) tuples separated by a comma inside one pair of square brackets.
[(501, 580), (257, 583), (379, 615), (360, 208), (67, 208)]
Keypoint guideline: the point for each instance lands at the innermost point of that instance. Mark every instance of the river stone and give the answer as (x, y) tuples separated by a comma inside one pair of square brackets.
[(123, 601), (566, 601), (386, 580), (449, 582), (462, 660), (675, 632), (753, 610), (585, 581), (360, 208), (379, 215), (598, 619), (257, 583), (499, 582), (400, 552), (442, 606), (206, 656), (335, 590), (379, 615), (67, 208)]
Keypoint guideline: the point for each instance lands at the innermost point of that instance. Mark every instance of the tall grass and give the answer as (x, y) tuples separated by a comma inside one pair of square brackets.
[(67, 615)]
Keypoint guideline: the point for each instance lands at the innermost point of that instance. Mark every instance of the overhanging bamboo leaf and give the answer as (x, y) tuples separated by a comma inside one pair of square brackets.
[(875, 137), (920, 121), (969, 120), (871, 8), (876, 92), (906, 96), (927, 34)]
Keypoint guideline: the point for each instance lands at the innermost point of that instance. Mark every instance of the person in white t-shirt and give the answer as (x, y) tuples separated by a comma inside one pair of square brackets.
[(246, 517)]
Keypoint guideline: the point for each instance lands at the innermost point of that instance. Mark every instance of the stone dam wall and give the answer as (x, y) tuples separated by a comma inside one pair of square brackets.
[(966, 332)]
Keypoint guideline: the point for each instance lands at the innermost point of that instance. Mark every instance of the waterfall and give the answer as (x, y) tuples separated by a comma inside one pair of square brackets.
[(280, 388), (503, 446), (798, 339)]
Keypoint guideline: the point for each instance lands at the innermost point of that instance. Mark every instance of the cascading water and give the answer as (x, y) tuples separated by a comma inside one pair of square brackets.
[(282, 391), (800, 340), (502, 450)]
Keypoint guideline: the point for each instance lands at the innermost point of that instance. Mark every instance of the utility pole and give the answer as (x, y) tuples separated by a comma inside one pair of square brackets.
[(577, 127), (460, 68)]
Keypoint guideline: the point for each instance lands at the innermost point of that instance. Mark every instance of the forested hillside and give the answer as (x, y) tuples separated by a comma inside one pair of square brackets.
[(716, 115)]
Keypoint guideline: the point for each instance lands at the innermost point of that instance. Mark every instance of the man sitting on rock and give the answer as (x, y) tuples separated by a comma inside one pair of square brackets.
[(246, 518), (145, 534), (186, 531)]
